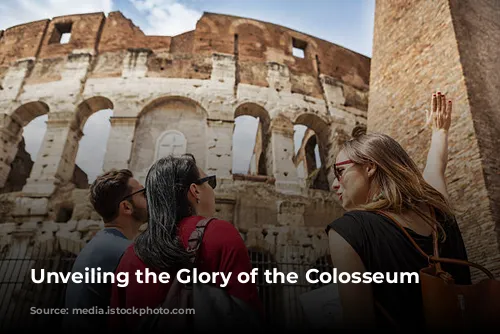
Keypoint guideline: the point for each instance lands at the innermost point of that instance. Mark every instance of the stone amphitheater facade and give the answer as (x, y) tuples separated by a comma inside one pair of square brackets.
[(186, 89), (189, 89)]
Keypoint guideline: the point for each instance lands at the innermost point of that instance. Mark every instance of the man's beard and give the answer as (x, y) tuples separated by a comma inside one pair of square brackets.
[(140, 215)]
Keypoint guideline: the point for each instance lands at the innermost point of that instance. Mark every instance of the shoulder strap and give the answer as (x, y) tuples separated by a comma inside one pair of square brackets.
[(435, 258), (196, 237)]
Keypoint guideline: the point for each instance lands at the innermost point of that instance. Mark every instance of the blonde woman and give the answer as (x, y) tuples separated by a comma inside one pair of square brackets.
[(373, 172)]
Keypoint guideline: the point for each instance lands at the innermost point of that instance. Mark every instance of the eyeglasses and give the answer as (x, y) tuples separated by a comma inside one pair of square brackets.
[(338, 175), (212, 181), (132, 194)]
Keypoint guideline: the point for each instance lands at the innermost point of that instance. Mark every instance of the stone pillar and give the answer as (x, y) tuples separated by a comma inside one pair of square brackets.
[(282, 146), (10, 136), (454, 51), (219, 147), (120, 141), (55, 163)]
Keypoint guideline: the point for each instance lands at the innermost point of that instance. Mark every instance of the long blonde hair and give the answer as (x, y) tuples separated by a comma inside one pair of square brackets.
[(398, 177)]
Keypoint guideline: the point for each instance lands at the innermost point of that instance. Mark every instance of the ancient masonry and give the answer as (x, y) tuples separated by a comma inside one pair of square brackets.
[(421, 46), (183, 91)]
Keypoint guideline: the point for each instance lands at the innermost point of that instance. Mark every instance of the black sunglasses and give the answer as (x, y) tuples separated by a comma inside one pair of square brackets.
[(132, 194), (212, 181)]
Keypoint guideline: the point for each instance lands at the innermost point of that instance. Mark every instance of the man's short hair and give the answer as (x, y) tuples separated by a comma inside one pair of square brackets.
[(108, 190)]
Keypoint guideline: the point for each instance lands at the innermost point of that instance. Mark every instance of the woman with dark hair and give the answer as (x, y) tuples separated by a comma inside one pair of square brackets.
[(179, 194), (375, 177)]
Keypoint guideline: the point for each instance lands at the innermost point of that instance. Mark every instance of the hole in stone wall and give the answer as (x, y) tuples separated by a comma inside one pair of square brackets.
[(299, 48), (27, 152), (64, 214), (244, 137), (61, 33), (307, 158), (92, 148)]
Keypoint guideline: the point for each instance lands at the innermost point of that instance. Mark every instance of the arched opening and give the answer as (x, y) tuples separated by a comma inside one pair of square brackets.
[(251, 140), (269, 293), (168, 125), (311, 145), (28, 126), (93, 120)]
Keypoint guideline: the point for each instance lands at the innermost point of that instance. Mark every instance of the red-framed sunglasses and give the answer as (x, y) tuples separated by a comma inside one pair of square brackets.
[(336, 171)]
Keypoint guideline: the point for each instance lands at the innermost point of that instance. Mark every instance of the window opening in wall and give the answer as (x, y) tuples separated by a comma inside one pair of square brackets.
[(245, 141), (307, 157), (92, 148), (298, 48), (61, 33)]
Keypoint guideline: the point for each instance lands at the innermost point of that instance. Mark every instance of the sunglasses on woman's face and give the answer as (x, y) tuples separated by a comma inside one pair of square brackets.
[(212, 181), (338, 174)]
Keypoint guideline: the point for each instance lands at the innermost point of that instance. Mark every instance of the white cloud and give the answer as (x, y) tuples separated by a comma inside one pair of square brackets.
[(166, 17), (14, 12)]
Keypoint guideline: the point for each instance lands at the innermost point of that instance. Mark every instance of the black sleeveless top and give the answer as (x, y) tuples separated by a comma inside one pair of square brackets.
[(384, 248)]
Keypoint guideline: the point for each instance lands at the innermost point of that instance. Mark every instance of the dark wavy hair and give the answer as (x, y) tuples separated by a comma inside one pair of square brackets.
[(167, 185)]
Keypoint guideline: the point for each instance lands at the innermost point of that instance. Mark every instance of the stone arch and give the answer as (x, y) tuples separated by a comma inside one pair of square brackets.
[(165, 113), (90, 106), (27, 112), (253, 38), (316, 175), (15, 161), (234, 27), (92, 120), (258, 161), (161, 100)]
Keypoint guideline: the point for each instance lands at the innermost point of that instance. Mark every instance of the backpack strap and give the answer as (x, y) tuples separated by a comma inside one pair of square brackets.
[(196, 237)]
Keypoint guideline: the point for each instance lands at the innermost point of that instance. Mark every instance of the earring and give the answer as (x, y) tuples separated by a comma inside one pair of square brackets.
[(198, 200), (378, 197)]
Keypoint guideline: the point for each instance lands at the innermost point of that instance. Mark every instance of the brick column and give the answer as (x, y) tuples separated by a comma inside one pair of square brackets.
[(456, 52), (55, 163), (219, 148), (120, 141)]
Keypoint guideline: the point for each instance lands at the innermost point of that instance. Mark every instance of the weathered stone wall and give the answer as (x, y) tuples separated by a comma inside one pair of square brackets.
[(195, 83), (424, 46)]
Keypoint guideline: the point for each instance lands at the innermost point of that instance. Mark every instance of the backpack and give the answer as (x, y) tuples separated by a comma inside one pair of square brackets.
[(448, 305), (205, 307)]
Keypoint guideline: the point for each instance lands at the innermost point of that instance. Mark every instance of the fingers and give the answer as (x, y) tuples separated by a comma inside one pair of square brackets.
[(443, 103), (433, 103), (448, 115)]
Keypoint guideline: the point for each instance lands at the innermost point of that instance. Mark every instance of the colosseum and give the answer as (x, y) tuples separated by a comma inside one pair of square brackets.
[(184, 94)]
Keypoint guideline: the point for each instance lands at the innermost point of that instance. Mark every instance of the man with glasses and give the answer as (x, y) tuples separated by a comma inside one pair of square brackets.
[(121, 202)]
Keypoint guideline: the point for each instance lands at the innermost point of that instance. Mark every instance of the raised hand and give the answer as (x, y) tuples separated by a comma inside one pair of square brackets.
[(439, 117)]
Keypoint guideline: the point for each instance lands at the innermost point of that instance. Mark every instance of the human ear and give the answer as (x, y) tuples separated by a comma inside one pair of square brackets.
[(126, 207), (371, 168), (194, 191)]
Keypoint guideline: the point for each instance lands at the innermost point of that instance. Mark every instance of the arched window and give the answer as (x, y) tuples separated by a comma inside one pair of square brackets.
[(170, 142)]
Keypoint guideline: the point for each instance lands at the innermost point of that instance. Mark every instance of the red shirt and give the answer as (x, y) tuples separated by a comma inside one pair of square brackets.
[(222, 250)]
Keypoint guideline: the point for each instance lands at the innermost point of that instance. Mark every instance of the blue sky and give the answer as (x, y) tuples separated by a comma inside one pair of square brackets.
[(348, 23)]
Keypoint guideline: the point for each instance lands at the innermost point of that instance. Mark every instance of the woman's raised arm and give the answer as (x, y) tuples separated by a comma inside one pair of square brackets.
[(439, 119)]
